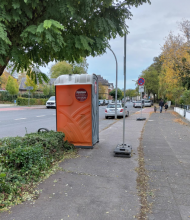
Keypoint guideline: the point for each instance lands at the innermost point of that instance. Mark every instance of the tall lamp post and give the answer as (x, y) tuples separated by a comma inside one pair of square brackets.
[(124, 149), (115, 84)]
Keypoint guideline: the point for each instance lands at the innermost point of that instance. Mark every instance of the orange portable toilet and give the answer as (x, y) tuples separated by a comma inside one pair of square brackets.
[(77, 108)]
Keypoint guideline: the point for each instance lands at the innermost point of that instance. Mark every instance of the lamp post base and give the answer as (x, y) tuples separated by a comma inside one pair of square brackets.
[(123, 150)]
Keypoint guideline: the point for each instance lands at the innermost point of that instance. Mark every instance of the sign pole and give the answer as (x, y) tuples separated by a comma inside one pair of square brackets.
[(29, 88), (141, 82), (124, 89), (141, 104)]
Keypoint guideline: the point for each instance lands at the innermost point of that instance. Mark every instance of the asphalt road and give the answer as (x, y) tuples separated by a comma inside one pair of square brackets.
[(19, 122)]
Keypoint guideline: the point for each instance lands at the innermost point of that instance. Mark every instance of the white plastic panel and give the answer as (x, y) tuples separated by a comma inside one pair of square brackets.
[(74, 79)]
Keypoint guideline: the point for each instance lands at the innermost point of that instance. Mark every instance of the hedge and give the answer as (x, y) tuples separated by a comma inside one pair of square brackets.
[(24, 160), (24, 101), (6, 97)]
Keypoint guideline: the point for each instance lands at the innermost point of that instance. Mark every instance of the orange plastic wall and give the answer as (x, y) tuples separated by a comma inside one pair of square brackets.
[(74, 118)]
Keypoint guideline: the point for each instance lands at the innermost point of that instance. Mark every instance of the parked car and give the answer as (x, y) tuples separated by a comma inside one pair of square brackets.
[(51, 103), (110, 110), (101, 102), (137, 104), (147, 103), (106, 102)]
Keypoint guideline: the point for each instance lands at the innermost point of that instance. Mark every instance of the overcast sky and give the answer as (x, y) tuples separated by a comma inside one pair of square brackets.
[(149, 26)]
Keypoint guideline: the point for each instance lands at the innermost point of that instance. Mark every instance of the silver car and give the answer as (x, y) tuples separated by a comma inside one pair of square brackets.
[(110, 110), (147, 103), (137, 104), (51, 103)]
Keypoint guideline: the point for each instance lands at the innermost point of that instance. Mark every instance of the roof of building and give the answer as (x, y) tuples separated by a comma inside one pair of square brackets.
[(102, 80)]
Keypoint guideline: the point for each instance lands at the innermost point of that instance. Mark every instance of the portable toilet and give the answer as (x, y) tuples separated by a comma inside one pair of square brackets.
[(77, 109)]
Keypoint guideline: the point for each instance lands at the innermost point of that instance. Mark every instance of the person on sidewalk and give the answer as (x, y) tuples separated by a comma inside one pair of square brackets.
[(166, 106), (161, 104)]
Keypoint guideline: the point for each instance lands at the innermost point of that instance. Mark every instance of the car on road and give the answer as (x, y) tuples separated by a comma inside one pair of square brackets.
[(51, 103), (137, 104), (106, 102), (147, 103), (110, 110), (101, 102)]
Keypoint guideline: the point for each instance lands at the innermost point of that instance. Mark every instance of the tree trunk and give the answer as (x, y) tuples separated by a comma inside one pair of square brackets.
[(2, 68)]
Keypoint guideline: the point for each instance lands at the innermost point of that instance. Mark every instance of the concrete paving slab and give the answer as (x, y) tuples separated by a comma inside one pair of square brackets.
[(158, 178), (169, 215), (185, 212), (182, 199), (180, 188)]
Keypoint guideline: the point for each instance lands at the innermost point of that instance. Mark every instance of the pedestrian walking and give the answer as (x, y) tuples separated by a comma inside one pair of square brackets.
[(166, 106), (161, 104)]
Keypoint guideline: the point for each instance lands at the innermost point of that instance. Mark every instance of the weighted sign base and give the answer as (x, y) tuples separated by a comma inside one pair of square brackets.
[(141, 119), (123, 150)]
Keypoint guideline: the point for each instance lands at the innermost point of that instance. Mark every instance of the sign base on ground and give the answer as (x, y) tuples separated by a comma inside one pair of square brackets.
[(141, 119), (123, 150)]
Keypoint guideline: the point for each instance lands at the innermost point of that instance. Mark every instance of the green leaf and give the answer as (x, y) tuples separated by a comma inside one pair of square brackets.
[(47, 24), (2, 175)]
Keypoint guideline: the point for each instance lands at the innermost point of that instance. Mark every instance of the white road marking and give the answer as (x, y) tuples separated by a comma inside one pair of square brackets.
[(40, 116), (20, 118)]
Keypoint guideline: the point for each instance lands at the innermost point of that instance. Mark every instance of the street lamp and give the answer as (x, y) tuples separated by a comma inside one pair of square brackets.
[(115, 84)]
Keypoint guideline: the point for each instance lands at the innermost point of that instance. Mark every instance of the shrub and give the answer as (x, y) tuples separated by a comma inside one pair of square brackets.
[(24, 160), (24, 101), (6, 97), (185, 98)]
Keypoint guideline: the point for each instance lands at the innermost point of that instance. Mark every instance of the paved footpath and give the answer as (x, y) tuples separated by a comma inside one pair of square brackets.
[(166, 145), (94, 186)]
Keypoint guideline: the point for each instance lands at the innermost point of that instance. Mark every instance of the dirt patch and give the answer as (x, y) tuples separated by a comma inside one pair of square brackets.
[(175, 113), (180, 121), (142, 183)]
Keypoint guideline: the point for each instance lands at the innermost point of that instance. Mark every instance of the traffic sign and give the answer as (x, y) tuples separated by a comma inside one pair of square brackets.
[(141, 89), (141, 81)]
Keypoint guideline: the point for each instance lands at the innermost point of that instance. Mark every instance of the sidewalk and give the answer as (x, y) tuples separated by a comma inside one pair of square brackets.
[(17, 106), (94, 186), (166, 143)]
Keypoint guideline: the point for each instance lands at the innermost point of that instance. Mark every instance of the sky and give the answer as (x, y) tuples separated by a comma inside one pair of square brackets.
[(149, 26)]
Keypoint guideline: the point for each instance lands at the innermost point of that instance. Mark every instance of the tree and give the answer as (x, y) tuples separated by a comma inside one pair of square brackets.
[(131, 93), (46, 90), (119, 93), (151, 80), (64, 67), (49, 90), (81, 67), (30, 82), (33, 32), (12, 86), (60, 68), (185, 99), (4, 79)]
